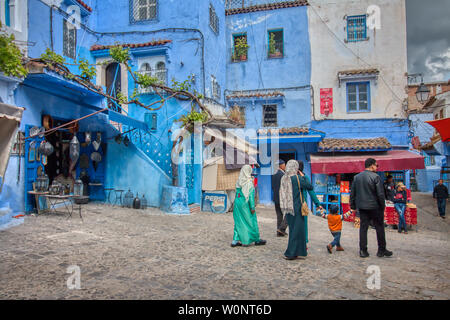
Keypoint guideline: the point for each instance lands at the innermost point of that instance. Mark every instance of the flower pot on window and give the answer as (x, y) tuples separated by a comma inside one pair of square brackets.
[(244, 57)]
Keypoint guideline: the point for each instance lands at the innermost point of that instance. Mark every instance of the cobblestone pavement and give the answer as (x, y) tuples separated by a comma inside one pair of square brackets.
[(131, 254)]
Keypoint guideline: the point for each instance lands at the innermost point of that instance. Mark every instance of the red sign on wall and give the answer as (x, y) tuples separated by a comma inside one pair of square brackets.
[(326, 101)]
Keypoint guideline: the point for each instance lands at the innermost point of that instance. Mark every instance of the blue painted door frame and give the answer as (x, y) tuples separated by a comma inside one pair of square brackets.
[(30, 168)]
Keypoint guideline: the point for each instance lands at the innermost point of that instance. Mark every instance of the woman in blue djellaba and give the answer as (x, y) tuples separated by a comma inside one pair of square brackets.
[(246, 229)]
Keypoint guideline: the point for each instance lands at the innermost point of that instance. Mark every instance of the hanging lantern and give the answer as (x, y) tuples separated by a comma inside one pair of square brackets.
[(136, 202), (143, 202), (87, 138), (46, 148), (78, 188), (128, 199), (74, 149), (46, 182)]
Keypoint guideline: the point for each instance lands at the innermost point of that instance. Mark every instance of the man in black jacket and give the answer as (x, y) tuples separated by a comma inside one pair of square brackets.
[(276, 180), (440, 193), (367, 196)]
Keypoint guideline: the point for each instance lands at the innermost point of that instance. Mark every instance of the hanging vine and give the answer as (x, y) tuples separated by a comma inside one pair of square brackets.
[(10, 56)]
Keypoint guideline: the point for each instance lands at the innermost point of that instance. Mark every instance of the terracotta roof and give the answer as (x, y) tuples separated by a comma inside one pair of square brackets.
[(243, 95), (269, 6), (96, 47), (294, 130), (361, 71), (85, 5), (327, 145)]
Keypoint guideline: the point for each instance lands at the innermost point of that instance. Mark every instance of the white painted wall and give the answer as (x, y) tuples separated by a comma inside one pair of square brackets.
[(385, 50), (19, 21)]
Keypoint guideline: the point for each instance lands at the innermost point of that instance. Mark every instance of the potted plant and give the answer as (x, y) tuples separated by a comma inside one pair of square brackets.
[(241, 49), (273, 51)]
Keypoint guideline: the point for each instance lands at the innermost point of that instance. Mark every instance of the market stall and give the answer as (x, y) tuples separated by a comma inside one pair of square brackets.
[(333, 175)]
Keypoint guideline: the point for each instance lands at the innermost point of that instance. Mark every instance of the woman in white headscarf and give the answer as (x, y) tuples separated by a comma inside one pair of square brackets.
[(245, 223), (294, 187)]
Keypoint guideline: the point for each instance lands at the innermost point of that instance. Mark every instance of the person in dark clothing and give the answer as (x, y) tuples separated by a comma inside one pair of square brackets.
[(400, 206), (276, 180), (389, 188), (440, 193), (367, 196)]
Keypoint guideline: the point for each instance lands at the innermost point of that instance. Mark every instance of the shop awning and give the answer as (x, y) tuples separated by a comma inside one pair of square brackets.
[(388, 161), (442, 126)]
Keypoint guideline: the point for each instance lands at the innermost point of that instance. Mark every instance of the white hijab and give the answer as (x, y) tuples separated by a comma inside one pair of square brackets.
[(245, 181), (286, 194)]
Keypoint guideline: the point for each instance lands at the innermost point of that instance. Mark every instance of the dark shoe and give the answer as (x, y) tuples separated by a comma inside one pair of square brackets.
[(405, 232), (329, 248), (290, 258), (363, 254), (399, 231), (384, 253), (281, 233), (338, 248), (236, 244), (260, 243), (443, 217)]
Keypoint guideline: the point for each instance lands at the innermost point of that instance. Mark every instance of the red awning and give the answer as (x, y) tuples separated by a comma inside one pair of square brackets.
[(390, 161), (443, 127)]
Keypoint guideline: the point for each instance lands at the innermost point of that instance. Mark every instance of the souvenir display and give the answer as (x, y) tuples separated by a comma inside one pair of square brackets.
[(46, 148), (87, 138), (78, 188), (74, 149), (32, 152), (136, 202), (128, 199), (34, 131)]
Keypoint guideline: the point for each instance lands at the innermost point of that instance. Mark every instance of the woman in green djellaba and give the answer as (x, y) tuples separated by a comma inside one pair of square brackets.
[(245, 224), (294, 187)]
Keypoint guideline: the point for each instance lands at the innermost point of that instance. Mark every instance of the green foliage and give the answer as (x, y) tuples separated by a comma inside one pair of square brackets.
[(183, 86), (87, 71), (10, 56), (272, 49), (122, 99), (146, 80), (51, 56), (119, 54), (194, 116), (241, 46)]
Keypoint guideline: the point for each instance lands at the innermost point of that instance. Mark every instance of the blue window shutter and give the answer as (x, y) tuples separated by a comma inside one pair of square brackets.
[(7, 14)]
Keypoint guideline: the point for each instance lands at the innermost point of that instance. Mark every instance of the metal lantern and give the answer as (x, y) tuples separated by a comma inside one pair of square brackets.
[(422, 93), (38, 184), (46, 182), (74, 149), (143, 202), (136, 202), (46, 148), (128, 199), (54, 188), (78, 188)]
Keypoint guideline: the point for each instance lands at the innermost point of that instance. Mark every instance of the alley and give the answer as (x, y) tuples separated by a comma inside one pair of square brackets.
[(137, 254)]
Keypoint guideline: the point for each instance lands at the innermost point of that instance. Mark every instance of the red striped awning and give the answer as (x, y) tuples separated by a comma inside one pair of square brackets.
[(443, 127), (388, 161)]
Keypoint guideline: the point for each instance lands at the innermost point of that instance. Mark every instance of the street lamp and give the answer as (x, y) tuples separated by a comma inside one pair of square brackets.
[(422, 93)]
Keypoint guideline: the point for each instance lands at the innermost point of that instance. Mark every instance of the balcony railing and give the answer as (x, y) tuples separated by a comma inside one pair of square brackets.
[(235, 4), (160, 74)]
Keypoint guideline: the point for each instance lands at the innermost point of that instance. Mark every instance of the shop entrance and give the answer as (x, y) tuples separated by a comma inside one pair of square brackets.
[(287, 155)]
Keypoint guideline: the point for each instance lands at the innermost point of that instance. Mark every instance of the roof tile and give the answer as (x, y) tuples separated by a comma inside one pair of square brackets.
[(330, 145), (85, 5), (292, 130), (269, 6), (132, 45)]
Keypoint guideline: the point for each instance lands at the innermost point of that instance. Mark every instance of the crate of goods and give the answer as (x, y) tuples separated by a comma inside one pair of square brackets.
[(345, 186), (345, 198), (411, 214), (390, 215)]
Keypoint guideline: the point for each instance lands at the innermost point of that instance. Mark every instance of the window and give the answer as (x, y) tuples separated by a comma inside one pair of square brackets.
[(143, 10), (69, 39), (161, 72), (270, 115), (158, 71), (358, 97), (151, 119), (213, 19), (240, 47), (215, 88), (275, 49), (356, 28), (113, 84)]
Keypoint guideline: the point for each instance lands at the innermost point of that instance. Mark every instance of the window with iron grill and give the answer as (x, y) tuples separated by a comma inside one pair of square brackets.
[(356, 28), (158, 72), (270, 115), (143, 10), (213, 19), (69, 39), (240, 47)]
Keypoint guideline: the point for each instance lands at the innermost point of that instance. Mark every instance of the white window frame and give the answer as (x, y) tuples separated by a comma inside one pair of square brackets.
[(135, 7)]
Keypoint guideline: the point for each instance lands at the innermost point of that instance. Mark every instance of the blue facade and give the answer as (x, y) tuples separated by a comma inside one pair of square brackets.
[(262, 74)]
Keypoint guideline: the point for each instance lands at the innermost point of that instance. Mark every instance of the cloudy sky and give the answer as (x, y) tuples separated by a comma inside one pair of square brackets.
[(428, 27)]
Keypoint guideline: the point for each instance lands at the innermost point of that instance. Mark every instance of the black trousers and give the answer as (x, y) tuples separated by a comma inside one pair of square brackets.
[(377, 216), (281, 220)]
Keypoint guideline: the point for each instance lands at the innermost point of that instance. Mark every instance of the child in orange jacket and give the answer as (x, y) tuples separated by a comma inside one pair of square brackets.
[(335, 225)]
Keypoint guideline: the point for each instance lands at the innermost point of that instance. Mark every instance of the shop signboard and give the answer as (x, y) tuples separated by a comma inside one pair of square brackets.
[(214, 202), (326, 101)]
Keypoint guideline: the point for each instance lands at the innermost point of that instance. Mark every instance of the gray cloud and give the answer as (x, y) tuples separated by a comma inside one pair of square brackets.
[(428, 28)]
